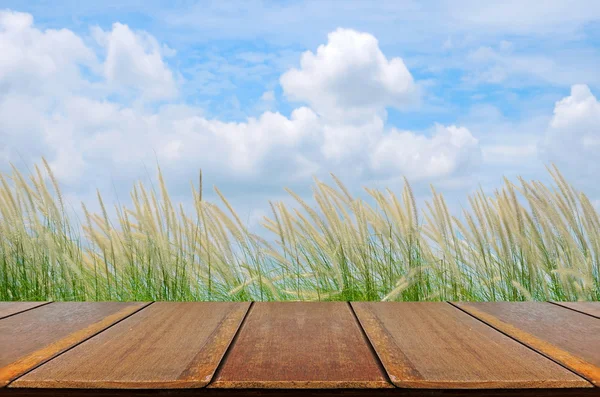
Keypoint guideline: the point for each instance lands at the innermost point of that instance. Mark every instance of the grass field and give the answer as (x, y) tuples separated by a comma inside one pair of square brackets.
[(527, 242)]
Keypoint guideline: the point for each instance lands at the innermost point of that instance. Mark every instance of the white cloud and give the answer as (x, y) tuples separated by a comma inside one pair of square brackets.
[(134, 60), (451, 149), (246, 144), (38, 70), (350, 75), (107, 133), (349, 82), (572, 139), (50, 109), (39, 63), (343, 140), (555, 43)]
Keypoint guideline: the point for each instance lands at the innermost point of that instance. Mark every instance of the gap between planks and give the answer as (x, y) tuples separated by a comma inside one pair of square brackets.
[(371, 346), (247, 314), (560, 304), (231, 344), (6, 386), (25, 310), (549, 357)]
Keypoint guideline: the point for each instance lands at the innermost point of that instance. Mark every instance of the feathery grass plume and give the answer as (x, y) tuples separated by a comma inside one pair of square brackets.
[(524, 242), (39, 249)]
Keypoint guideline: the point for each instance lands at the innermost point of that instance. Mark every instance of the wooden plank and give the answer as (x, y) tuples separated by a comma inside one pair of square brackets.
[(167, 345), (300, 345), (434, 345), (12, 308), (589, 308), (216, 392), (568, 337), (33, 337)]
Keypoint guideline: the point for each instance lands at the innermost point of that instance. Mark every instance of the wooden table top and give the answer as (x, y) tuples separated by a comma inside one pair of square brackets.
[(300, 348)]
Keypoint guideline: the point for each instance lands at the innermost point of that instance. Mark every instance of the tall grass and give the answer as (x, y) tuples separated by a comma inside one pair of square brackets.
[(526, 242)]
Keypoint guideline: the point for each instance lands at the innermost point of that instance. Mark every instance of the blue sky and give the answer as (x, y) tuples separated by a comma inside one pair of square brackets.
[(263, 95)]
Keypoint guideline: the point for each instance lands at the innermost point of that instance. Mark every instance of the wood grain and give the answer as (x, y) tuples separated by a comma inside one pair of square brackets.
[(295, 345), (32, 337), (167, 345), (589, 308), (568, 337), (216, 392), (12, 308), (435, 345)]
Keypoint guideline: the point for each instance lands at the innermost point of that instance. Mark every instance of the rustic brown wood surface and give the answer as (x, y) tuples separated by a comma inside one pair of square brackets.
[(165, 345), (590, 308), (300, 345), (12, 308), (299, 348), (215, 392), (568, 337), (435, 345), (29, 338)]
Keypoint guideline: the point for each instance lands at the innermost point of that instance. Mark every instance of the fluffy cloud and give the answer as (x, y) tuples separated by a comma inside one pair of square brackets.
[(50, 108), (572, 139), (450, 150), (38, 70), (349, 82), (134, 60), (243, 147), (349, 140), (125, 138), (350, 75), (38, 63)]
